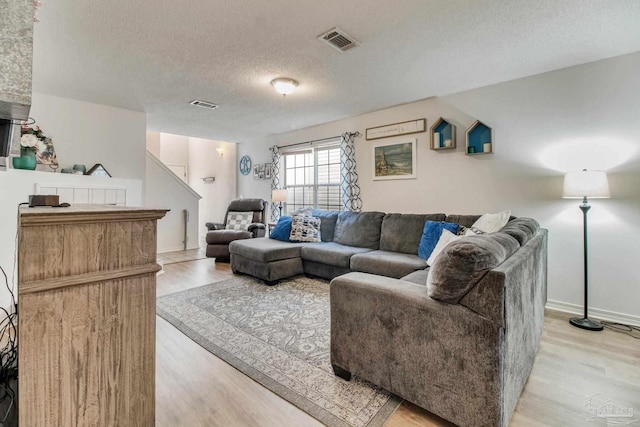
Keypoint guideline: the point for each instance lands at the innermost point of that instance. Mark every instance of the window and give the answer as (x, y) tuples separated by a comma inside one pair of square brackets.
[(313, 178)]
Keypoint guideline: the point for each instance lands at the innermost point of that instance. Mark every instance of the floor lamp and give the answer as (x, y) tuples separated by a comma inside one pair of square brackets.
[(280, 197), (580, 185)]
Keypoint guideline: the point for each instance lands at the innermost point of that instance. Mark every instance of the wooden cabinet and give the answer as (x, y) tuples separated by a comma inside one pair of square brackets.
[(86, 316), (16, 53)]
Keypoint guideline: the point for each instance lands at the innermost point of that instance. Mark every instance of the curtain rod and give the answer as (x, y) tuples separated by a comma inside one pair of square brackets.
[(314, 141)]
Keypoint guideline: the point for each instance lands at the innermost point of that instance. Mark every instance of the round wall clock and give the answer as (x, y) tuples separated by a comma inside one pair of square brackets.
[(245, 165)]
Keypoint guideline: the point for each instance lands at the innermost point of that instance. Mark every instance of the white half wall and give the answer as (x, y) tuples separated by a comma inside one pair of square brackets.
[(545, 125), (17, 185), (164, 190)]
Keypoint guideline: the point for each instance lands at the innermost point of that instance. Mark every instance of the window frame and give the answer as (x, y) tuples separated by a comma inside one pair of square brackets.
[(314, 150)]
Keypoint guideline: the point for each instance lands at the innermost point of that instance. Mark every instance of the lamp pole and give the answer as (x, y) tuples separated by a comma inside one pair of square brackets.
[(585, 322)]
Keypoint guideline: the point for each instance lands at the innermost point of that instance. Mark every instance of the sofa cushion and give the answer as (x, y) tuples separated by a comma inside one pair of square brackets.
[(265, 250), (463, 220), (359, 229), (390, 264), (418, 277), (522, 229), (282, 230), (305, 229), (402, 232), (431, 234), (331, 253), (224, 237), (464, 262), (328, 221)]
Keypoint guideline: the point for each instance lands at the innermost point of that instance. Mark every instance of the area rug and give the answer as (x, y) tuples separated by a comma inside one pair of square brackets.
[(278, 336)]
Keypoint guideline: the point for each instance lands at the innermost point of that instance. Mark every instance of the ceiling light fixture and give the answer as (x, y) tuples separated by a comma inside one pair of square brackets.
[(284, 86)]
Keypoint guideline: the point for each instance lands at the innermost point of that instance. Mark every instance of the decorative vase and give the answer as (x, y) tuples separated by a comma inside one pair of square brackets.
[(27, 159)]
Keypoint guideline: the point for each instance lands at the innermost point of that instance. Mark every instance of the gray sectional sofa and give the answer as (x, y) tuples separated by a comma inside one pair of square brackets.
[(461, 346)]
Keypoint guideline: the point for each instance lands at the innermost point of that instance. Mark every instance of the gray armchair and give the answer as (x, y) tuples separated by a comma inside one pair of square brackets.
[(219, 237)]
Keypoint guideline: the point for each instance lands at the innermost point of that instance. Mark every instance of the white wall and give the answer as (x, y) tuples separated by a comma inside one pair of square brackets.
[(154, 143), (82, 133), (88, 133), (257, 150), (543, 126), (204, 161), (163, 189)]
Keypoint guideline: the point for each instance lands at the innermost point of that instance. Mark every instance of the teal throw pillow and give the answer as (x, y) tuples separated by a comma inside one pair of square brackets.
[(431, 235)]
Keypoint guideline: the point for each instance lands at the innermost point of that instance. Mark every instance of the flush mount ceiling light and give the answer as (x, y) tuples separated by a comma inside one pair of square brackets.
[(284, 86)]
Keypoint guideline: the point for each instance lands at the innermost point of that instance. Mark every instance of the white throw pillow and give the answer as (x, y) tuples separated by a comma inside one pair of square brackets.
[(302, 212), (445, 238), (489, 223), (239, 220)]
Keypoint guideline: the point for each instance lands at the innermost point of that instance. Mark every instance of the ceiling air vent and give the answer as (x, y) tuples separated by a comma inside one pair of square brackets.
[(338, 39), (204, 104)]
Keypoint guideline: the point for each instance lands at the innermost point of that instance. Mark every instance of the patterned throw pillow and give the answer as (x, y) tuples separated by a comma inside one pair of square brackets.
[(239, 220), (305, 229)]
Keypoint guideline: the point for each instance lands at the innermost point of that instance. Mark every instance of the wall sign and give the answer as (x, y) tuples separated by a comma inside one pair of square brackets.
[(404, 128)]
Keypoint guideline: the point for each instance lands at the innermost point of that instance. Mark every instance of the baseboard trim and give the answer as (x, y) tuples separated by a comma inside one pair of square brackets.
[(610, 316), (175, 249)]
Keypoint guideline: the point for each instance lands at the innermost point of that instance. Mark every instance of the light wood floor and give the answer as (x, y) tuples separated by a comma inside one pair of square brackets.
[(195, 388)]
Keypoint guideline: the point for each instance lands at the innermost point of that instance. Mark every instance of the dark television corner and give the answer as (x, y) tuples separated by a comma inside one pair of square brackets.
[(7, 131)]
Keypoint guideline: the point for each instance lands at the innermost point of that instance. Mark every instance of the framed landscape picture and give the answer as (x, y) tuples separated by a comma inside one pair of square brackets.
[(394, 160)]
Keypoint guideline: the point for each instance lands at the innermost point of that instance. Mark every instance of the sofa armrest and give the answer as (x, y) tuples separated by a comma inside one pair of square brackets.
[(215, 226), (443, 357), (257, 229)]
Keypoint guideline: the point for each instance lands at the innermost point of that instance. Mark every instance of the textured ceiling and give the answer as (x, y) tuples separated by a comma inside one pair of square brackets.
[(157, 55)]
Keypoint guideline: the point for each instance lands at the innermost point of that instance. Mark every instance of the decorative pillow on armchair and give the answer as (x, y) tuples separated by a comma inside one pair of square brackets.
[(239, 220), (305, 229)]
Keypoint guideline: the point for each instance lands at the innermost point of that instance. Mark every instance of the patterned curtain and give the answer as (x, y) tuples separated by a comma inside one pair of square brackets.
[(350, 189), (275, 179)]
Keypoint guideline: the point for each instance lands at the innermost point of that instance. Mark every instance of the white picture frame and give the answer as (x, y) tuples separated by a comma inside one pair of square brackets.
[(394, 160)]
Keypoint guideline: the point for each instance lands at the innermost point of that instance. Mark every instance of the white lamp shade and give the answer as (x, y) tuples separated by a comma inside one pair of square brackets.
[(279, 195), (592, 184)]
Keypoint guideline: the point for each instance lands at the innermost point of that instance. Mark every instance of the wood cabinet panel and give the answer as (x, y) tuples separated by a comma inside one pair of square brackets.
[(87, 319)]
